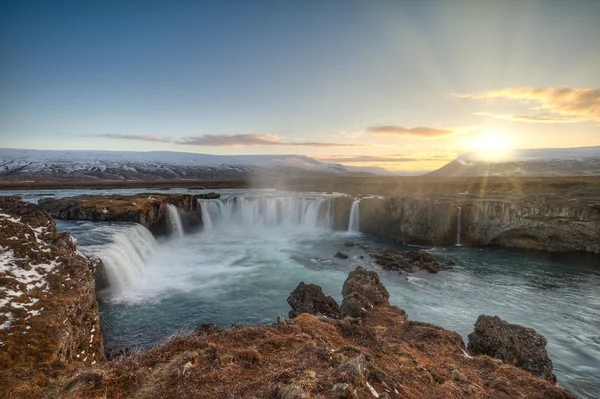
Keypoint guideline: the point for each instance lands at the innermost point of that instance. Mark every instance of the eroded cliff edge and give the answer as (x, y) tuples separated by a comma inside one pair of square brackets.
[(147, 209), (545, 223), (49, 317)]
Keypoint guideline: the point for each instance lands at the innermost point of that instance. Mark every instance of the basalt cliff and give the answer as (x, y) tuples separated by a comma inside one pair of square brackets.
[(541, 223)]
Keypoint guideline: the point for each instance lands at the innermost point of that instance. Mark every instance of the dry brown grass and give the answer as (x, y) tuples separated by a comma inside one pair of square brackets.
[(416, 360)]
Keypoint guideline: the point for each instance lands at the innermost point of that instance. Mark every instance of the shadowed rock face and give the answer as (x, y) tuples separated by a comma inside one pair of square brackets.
[(538, 222), (149, 209), (362, 291), (513, 344), (309, 298), (48, 309)]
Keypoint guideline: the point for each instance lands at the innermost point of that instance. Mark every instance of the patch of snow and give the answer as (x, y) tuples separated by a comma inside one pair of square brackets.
[(373, 391)]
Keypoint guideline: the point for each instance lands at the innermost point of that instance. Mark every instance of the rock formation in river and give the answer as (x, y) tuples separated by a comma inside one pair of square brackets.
[(148, 209), (513, 344), (534, 222), (48, 311), (408, 261), (309, 298)]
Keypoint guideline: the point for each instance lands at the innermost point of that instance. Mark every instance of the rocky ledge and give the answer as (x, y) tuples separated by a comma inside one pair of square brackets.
[(149, 209), (540, 222), (367, 350), (49, 318)]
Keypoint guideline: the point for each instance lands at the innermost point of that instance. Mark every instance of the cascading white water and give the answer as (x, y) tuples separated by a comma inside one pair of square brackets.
[(287, 212), (174, 221), (354, 221), (458, 226), (125, 257)]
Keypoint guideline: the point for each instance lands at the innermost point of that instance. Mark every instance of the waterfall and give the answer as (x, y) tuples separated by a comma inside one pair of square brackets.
[(125, 257), (354, 221), (174, 221), (287, 212), (458, 227)]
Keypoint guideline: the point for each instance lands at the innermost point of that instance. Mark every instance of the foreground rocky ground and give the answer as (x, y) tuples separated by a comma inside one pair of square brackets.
[(48, 310), (363, 348)]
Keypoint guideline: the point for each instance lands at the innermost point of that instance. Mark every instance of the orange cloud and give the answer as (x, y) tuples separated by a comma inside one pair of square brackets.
[(563, 104), (534, 118), (413, 131)]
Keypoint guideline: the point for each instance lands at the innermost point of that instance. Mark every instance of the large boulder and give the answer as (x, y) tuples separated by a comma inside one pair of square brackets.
[(519, 346), (309, 298), (362, 291)]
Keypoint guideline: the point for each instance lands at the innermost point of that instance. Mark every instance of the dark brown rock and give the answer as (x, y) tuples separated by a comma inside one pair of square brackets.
[(362, 291), (513, 344), (309, 298), (408, 261), (207, 196)]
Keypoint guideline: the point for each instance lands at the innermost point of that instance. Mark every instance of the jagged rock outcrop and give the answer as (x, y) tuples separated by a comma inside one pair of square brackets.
[(148, 209), (309, 298), (362, 291), (408, 261), (513, 344), (48, 310), (548, 223)]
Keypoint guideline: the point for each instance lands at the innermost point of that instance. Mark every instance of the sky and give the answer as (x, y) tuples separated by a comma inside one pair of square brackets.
[(405, 85)]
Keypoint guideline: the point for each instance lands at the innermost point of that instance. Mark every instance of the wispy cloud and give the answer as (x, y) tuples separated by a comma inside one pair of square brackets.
[(534, 118), (143, 137), (244, 140), (562, 104), (412, 131), (393, 158)]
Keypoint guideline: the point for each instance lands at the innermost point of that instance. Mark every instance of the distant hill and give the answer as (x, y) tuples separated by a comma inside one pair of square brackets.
[(42, 165), (581, 161)]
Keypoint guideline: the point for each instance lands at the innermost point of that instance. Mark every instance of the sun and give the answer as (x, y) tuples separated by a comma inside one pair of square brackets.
[(491, 146)]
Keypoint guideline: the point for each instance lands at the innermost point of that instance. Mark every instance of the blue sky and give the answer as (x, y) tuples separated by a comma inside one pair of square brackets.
[(331, 79)]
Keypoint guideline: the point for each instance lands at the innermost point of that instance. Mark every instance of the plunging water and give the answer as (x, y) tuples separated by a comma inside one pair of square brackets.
[(261, 246), (354, 220), (285, 213), (174, 221), (458, 226)]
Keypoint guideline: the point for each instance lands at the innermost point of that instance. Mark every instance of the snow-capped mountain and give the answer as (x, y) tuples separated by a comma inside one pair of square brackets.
[(39, 165), (580, 161)]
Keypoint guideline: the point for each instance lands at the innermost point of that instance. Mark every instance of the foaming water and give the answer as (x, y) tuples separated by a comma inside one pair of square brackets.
[(174, 221), (254, 252)]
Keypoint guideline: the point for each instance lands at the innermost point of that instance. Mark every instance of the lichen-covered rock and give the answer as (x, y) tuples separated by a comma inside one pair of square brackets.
[(147, 209), (309, 298), (513, 344), (362, 291), (48, 308)]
